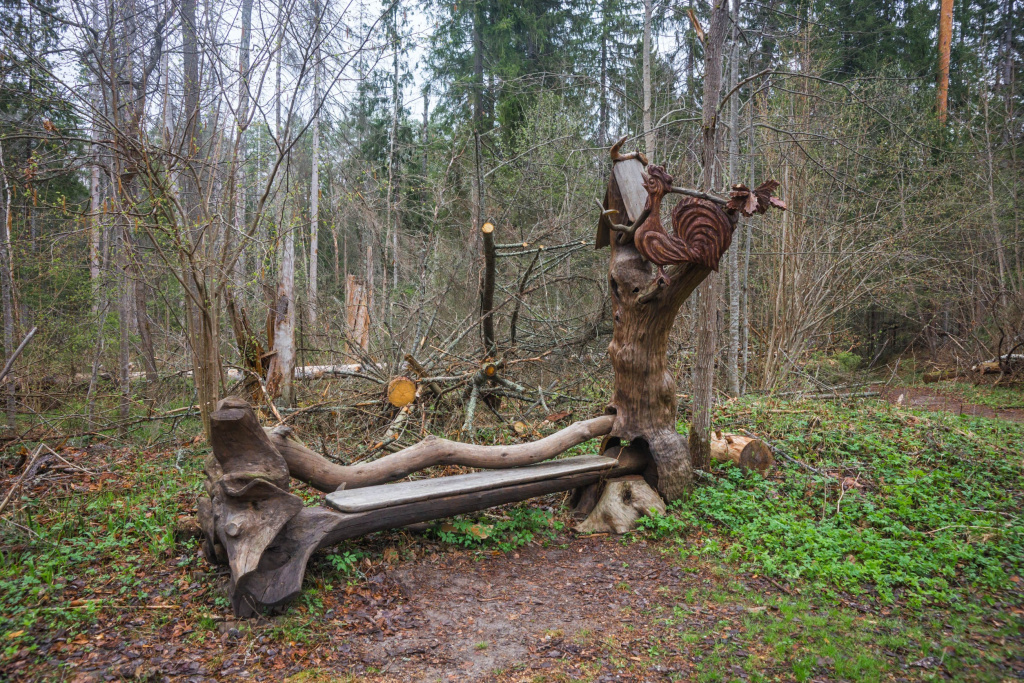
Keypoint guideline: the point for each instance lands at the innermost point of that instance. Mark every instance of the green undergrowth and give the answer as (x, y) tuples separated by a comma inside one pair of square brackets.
[(70, 554), (783, 638), (995, 397), (520, 526), (924, 508)]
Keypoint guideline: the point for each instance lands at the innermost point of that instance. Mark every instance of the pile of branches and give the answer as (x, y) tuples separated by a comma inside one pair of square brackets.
[(370, 408)]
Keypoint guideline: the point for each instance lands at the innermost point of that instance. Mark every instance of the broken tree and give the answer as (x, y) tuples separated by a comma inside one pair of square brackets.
[(645, 304)]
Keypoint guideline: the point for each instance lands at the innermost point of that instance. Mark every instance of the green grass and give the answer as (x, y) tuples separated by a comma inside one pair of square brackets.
[(931, 546), (995, 397), (938, 517), (76, 553), (783, 638)]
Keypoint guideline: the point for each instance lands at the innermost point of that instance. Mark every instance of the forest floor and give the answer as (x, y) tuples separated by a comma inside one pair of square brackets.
[(959, 399), (898, 558)]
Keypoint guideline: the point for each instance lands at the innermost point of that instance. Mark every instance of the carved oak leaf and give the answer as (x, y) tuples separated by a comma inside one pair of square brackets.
[(759, 200)]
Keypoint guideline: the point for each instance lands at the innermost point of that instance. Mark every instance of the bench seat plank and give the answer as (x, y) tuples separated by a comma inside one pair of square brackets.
[(389, 495)]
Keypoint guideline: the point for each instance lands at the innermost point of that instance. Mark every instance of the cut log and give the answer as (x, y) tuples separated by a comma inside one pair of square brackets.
[(987, 368), (312, 468), (328, 371), (745, 451), (1004, 364), (623, 501), (939, 376), (401, 392)]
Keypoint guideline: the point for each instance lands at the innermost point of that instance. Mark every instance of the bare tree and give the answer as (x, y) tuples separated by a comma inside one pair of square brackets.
[(709, 291)]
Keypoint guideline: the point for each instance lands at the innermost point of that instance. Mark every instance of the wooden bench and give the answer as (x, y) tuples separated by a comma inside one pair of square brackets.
[(266, 534), (495, 485)]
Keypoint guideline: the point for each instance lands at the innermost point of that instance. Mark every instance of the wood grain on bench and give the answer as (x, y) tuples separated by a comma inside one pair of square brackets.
[(390, 495)]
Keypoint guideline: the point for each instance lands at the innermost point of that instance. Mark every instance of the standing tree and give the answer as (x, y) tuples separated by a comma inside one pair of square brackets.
[(708, 306), (945, 40)]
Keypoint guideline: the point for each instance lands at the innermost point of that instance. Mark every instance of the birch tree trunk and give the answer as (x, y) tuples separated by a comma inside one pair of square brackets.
[(282, 366), (314, 183), (6, 285), (708, 303), (746, 237), (732, 365)]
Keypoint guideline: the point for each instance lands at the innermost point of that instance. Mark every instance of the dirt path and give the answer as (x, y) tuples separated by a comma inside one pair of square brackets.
[(588, 608), (595, 609), (935, 399), (539, 608)]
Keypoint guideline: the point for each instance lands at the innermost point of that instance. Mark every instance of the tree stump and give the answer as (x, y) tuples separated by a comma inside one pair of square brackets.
[(623, 501)]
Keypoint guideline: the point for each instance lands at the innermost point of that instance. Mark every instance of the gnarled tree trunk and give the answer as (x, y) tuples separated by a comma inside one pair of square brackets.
[(644, 401)]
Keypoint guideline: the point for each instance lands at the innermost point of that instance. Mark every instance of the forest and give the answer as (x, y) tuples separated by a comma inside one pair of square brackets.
[(303, 304)]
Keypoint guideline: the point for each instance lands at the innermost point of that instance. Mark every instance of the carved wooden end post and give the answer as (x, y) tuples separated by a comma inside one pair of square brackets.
[(645, 303)]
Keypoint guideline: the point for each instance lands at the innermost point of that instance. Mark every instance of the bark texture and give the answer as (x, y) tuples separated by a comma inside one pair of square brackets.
[(945, 40), (708, 303), (320, 473), (644, 400), (624, 501)]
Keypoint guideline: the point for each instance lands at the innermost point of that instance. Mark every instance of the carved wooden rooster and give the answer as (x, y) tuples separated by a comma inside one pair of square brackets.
[(702, 231)]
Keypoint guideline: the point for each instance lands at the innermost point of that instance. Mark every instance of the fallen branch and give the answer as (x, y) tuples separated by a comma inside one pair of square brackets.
[(317, 471), (17, 352), (28, 468)]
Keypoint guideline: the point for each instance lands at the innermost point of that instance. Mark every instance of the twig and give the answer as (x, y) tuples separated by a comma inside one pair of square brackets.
[(543, 404), (17, 352), (778, 585), (68, 463), (28, 468), (699, 195)]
